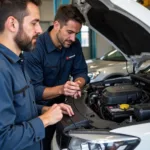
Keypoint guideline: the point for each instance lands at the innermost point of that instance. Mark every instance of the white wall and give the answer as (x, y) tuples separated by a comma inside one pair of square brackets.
[(103, 46), (46, 10), (86, 52)]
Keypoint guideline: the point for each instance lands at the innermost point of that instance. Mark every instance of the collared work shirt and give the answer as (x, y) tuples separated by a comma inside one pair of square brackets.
[(20, 128), (49, 66)]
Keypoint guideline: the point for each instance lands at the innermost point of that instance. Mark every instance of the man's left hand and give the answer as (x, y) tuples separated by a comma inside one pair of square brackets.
[(66, 109)]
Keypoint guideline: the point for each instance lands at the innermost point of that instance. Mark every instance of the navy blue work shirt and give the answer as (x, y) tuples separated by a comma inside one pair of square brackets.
[(49, 66), (20, 128)]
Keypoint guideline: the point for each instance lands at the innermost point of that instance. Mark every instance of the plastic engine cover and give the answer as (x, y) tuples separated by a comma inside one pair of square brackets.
[(121, 94)]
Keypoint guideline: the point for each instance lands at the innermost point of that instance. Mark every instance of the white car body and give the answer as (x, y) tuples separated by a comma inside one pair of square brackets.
[(142, 131), (101, 69)]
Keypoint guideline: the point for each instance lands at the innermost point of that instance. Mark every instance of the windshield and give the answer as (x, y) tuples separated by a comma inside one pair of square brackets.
[(113, 55)]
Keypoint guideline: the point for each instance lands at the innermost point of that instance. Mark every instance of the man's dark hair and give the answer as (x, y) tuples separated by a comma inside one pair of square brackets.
[(69, 12), (15, 8)]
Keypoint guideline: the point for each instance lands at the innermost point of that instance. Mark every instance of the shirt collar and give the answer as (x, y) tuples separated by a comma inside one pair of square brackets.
[(49, 44), (11, 56)]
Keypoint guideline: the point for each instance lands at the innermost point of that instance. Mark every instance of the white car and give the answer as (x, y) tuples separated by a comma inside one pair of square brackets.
[(113, 114), (112, 64)]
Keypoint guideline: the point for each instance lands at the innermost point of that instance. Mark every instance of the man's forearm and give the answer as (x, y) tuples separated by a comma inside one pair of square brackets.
[(52, 92)]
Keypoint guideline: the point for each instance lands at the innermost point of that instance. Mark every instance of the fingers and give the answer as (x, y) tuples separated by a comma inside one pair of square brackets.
[(70, 92), (72, 85), (71, 88), (52, 115), (56, 110), (66, 109), (77, 94), (54, 106), (55, 113), (78, 82)]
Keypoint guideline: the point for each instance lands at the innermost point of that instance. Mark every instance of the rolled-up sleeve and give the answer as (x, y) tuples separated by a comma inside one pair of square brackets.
[(20, 135), (80, 67)]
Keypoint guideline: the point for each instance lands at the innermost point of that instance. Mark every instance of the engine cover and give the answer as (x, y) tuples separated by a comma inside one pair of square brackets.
[(121, 94)]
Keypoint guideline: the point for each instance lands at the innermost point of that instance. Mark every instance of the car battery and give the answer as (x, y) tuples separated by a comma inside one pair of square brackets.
[(115, 113)]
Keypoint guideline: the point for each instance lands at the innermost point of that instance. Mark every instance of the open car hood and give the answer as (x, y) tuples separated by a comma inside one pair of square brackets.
[(124, 23)]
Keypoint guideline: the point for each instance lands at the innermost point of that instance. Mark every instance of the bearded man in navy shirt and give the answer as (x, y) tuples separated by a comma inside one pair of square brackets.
[(20, 126)]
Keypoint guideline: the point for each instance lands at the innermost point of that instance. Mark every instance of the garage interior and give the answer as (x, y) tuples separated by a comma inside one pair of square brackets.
[(101, 102), (95, 47)]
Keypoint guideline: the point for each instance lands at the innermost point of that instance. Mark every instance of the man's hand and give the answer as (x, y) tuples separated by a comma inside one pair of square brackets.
[(78, 93), (66, 109), (71, 88), (54, 114)]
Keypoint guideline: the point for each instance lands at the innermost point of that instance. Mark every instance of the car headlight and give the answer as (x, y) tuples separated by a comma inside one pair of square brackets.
[(93, 75), (91, 140)]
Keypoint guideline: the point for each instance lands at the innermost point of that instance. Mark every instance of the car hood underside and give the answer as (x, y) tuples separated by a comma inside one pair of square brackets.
[(124, 30)]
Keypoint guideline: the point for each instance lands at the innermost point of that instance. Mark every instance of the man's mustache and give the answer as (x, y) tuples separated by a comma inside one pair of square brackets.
[(36, 36), (69, 41)]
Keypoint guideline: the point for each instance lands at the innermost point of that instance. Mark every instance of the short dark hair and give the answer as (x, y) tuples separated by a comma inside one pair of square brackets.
[(16, 8), (69, 12)]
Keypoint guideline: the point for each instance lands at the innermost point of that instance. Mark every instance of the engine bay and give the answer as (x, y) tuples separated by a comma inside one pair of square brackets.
[(121, 101), (108, 105)]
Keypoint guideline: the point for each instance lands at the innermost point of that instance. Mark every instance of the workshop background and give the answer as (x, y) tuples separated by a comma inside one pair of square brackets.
[(94, 45)]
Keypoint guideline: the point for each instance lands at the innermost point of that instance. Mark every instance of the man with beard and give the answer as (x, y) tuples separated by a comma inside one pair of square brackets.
[(20, 126), (58, 55)]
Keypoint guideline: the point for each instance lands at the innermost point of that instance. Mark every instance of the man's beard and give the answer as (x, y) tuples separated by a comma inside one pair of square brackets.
[(23, 41), (61, 41)]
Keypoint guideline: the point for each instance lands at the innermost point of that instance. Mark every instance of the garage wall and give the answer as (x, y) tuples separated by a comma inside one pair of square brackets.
[(46, 10), (86, 52), (103, 46)]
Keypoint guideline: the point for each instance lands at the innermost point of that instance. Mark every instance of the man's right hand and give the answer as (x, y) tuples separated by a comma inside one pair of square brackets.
[(70, 88)]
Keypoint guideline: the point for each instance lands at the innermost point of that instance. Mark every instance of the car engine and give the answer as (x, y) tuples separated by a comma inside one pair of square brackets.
[(120, 101), (108, 105)]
